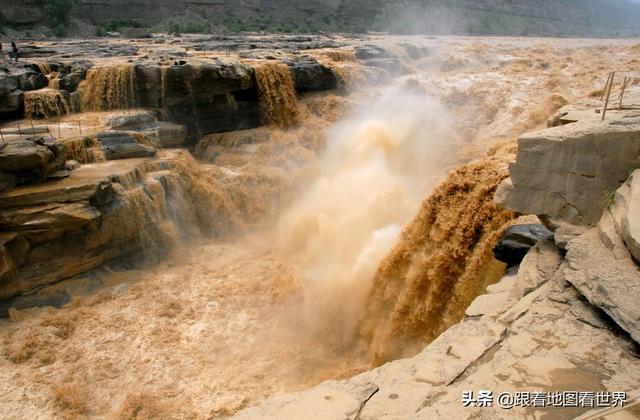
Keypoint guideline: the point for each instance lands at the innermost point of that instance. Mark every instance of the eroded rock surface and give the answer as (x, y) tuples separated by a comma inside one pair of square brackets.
[(101, 212), (566, 172)]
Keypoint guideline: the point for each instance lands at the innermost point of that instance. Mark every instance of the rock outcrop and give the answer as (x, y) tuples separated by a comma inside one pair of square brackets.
[(30, 160), (517, 241), (115, 210), (15, 80), (625, 212), (204, 97), (59, 219), (568, 172)]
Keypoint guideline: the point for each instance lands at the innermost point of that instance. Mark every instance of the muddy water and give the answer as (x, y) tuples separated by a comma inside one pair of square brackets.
[(45, 103), (277, 94), (110, 87), (302, 296)]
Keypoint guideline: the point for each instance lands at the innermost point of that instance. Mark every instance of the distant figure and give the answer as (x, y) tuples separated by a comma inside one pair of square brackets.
[(14, 51), (1, 53)]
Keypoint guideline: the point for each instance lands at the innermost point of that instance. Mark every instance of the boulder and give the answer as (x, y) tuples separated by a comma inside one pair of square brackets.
[(71, 74), (567, 172), (24, 156), (32, 159), (15, 80), (518, 240), (368, 51), (310, 75)]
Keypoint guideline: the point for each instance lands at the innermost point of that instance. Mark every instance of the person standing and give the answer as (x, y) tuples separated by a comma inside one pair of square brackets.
[(14, 51)]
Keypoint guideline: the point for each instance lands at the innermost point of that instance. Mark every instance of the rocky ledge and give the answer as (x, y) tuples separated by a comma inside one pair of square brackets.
[(70, 206)]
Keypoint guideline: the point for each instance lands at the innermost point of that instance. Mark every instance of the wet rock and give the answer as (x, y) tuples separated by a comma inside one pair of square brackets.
[(55, 299), (169, 134), (206, 99), (122, 145), (136, 122), (32, 159), (50, 216), (369, 51), (74, 225), (211, 146), (309, 75), (31, 51), (88, 183), (7, 181), (518, 240), (70, 75), (160, 133), (11, 104), (392, 65), (71, 165), (13, 81), (538, 267), (24, 156), (415, 52)]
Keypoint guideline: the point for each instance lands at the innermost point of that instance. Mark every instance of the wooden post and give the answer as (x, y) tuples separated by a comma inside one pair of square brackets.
[(1, 135), (19, 130), (33, 130), (624, 87), (79, 127), (606, 101), (606, 85), (59, 135)]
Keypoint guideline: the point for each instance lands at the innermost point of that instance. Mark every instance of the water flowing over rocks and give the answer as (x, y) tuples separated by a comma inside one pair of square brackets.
[(565, 318), (89, 197)]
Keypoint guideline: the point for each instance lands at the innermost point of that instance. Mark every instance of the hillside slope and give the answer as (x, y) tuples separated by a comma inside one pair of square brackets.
[(505, 17)]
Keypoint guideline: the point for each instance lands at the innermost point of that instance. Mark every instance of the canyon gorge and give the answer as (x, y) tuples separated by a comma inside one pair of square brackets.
[(293, 226)]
